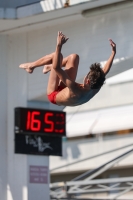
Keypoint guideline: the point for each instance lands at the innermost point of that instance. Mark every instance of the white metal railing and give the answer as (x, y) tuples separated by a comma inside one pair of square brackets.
[(84, 184)]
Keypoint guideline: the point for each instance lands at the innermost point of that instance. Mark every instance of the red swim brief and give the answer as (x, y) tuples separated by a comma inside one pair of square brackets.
[(52, 96)]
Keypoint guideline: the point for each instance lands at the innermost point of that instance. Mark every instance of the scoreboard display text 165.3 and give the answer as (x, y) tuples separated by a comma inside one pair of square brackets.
[(37, 121)]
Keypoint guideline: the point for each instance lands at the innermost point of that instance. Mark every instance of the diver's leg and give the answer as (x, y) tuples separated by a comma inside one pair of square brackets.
[(54, 80), (29, 67), (71, 67)]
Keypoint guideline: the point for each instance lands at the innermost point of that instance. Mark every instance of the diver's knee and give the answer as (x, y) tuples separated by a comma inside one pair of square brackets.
[(74, 56)]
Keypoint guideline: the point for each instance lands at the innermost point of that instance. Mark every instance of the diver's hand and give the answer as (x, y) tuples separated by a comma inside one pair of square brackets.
[(61, 38), (113, 46)]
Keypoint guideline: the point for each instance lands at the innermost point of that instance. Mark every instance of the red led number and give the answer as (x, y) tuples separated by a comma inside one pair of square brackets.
[(33, 123), (47, 121)]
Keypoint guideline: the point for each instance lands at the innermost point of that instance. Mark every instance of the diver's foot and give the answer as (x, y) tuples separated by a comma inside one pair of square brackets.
[(46, 69), (27, 66)]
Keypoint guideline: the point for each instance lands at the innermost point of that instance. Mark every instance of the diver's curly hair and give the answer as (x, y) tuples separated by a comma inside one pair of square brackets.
[(96, 76)]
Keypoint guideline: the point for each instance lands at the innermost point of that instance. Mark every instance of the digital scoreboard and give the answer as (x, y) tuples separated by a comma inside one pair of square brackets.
[(37, 121), (39, 132)]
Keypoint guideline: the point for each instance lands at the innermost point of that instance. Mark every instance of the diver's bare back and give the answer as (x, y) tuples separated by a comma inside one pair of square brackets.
[(73, 97)]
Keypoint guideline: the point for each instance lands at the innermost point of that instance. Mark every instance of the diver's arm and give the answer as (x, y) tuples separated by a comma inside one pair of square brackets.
[(109, 62)]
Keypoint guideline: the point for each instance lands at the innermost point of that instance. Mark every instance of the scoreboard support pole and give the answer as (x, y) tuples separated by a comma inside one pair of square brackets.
[(38, 133), (38, 177)]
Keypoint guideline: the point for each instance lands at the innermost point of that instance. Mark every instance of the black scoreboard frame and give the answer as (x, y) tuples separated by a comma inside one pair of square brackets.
[(39, 131)]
